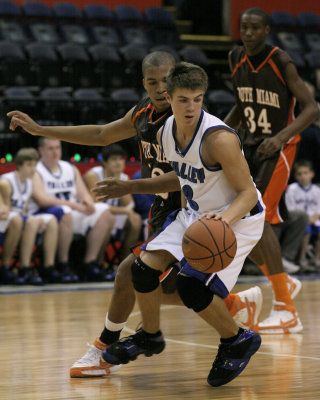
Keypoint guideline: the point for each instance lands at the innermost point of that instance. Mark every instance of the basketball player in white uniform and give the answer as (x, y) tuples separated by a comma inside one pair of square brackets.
[(58, 184), (16, 190), (206, 156), (127, 226)]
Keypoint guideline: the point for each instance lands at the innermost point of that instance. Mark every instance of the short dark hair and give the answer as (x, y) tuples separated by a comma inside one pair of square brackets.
[(258, 11), (112, 150), (157, 59), (303, 163), (26, 154), (186, 76)]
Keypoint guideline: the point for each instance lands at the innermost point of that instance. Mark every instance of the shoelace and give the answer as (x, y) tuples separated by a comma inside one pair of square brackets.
[(138, 339), (221, 355), (91, 355)]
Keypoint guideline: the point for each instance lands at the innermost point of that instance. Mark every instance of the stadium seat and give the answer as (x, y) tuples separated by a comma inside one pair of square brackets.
[(105, 34), (290, 41), (98, 12), (166, 36), (297, 59), (125, 95), (19, 98), (74, 33), (162, 27), (133, 56), (130, 24), (308, 20), (313, 59), (57, 105), (89, 106), (36, 9), (128, 14), (220, 102), (313, 62), (281, 20), (77, 68), (14, 69), (108, 66), (13, 31), (312, 40), (65, 10), (159, 17), (9, 9), (195, 56), (44, 32), (134, 34), (45, 66), (122, 100)]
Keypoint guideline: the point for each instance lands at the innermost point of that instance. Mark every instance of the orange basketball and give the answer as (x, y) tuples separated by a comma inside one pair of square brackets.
[(209, 245)]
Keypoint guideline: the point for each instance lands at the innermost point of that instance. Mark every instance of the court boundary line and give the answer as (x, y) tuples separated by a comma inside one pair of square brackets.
[(208, 346), (86, 286)]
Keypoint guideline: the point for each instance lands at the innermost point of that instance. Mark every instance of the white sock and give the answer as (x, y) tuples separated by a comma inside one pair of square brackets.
[(112, 326)]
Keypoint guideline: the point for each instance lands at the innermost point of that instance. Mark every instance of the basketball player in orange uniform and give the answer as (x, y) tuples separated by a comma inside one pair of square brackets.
[(266, 85), (142, 121)]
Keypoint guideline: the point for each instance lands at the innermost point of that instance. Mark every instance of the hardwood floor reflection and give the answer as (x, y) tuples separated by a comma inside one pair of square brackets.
[(42, 334)]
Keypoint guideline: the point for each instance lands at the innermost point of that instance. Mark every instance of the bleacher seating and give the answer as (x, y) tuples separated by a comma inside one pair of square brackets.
[(13, 65), (45, 65), (219, 102), (108, 65), (101, 49), (9, 9), (36, 9)]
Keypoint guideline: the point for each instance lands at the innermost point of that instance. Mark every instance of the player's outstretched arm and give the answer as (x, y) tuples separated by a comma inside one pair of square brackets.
[(92, 135), (111, 188)]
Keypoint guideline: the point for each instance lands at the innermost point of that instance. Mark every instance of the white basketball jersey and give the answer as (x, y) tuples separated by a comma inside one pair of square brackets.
[(303, 198), (99, 171), (21, 192), (206, 188), (61, 184)]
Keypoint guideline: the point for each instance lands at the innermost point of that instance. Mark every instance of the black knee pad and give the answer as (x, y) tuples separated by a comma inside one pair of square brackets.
[(193, 293), (144, 278)]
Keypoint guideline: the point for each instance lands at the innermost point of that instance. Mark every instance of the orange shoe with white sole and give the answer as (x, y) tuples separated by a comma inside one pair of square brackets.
[(282, 319), (246, 307), (91, 365)]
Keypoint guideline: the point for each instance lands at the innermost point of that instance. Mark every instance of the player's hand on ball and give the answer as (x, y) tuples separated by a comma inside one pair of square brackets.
[(213, 215), (110, 188), (23, 120)]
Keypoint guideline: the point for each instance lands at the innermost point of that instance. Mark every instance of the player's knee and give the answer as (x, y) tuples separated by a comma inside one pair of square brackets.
[(66, 219), (123, 278), (144, 278), (134, 219), (16, 223), (194, 293), (33, 222)]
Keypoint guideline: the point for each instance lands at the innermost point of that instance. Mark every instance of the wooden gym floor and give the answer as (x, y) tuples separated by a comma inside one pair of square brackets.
[(43, 331)]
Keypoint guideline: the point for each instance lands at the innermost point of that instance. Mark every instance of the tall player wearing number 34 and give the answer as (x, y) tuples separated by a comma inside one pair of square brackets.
[(266, 85)]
